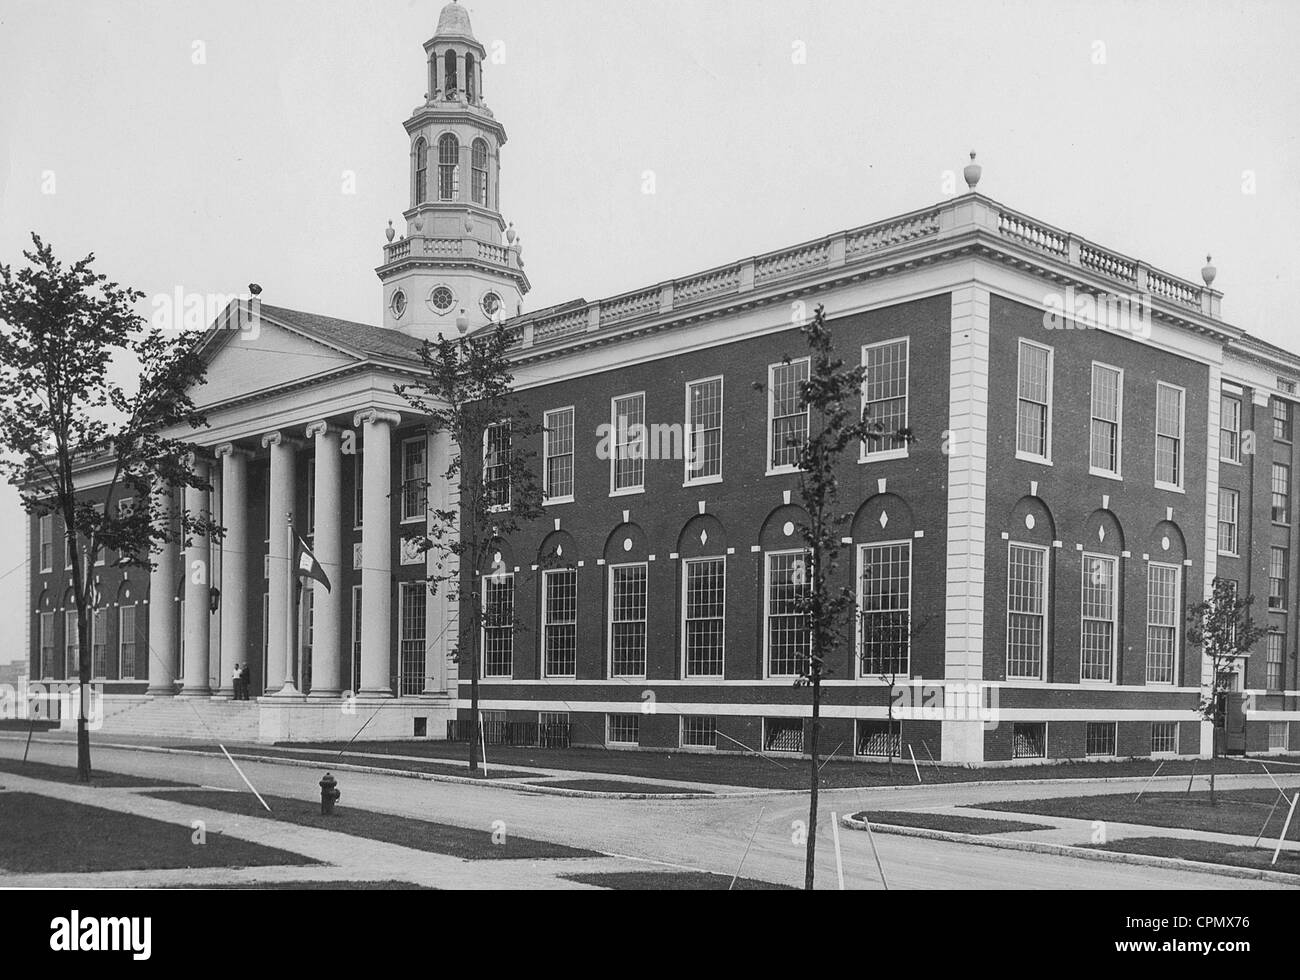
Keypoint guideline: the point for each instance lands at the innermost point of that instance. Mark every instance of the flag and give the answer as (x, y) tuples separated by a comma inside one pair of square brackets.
[(306, 565)]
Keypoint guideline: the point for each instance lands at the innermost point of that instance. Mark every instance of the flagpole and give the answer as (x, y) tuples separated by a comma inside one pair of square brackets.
[(291, 614)]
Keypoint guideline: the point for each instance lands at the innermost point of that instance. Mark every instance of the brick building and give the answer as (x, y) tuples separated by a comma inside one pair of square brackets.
[(1093, 445)]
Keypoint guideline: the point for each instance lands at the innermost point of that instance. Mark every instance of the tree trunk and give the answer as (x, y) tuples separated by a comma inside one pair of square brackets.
[(812, 804), (473, 703), (1214, 756), (83, 693)]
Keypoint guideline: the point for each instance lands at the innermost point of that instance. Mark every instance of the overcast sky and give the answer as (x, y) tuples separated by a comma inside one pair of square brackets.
[(207, 145)]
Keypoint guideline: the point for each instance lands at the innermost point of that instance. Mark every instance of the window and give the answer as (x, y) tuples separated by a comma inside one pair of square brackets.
[(782, 735), (355, 672), (699, 732), (704, 610), (627, 620), (1100, 738), (498, 625), (358, 489), (410, 648), (1277, 576), (311, 498), (1169, 437), (441, 299), (449, 83), (884, 395), (99, 644), (1098, 636), (1229, 511), (1281, 420), (47, 542), (1277, 735), (627, 464), (1107, 408), (787, 414), (480, 166), (1026, 610), (885, 601), (558, 472), (449, 161), (1162, 622), (1281, 494), (469, 79), (414, 479), (560, 622), (1230, 428), (47, 644), (421, 171), (496, 466), (553, 729), (623, 729), (306, 632), (1276, 643), (1029, 740), (787, 631), (1034, 409), (1164, 737), (874, 738), (704, 431), (72, 645)]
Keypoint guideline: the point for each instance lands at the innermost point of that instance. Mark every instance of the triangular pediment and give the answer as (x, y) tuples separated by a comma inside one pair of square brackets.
[(262, 357)]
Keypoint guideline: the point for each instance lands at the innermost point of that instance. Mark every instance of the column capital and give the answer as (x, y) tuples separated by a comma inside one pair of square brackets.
[(230, 449), (278, 438), (376, 416), (321, 427)]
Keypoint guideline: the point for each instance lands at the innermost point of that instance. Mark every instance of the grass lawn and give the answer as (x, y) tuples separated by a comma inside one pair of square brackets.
[(957, 823), (1207, 851), (617, 786), (674, 881), (40, 835), (319, 886), (68, 774), (422, 835), (447, 768), (1239, 811)]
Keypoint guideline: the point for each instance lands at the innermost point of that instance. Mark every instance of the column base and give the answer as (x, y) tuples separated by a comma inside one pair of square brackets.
[(288, 691), (162, 692), (191, 693)]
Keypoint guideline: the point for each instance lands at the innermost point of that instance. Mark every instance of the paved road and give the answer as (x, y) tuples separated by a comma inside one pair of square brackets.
[(710, 835)]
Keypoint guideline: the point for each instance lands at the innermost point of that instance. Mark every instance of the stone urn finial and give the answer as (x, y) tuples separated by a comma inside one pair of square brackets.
[(390, 232), (510, 233), (462, 322), (1209, 271), (973, 172)]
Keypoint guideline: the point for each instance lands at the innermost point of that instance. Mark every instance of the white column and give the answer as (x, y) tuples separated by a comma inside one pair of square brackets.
[(198, 581), (376, 551), (327, 631), (214, 627), (234, 563), (439, 621), (279, 662), (162, 606)]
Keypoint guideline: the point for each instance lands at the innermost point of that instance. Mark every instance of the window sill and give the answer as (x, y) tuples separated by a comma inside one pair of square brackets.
[(628, 492), (1285, 524), (703, 481), (1030, 458), (1105, 474), (883, 456), (1170, 487), (782, 471), (411, 520), (1233, 462), (1229, 554), (556, 501)]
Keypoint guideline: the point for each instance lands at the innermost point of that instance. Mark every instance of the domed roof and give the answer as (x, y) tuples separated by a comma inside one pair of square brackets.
[(454, 22)]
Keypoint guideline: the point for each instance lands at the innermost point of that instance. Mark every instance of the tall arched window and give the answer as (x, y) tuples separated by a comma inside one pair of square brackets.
[(448, 167), (433, 75), (480, 163), (470, 88), (449, 74), (421, 171)]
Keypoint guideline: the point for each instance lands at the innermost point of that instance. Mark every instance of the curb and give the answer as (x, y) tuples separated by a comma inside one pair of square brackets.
[(1088, 854)]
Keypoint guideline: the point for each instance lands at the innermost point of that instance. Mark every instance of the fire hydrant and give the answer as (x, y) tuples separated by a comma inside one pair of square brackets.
[(329, 794)]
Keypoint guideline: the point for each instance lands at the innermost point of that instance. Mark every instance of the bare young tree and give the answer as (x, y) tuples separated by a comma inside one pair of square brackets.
[(67, 333), (468, 393), (1221, 626)]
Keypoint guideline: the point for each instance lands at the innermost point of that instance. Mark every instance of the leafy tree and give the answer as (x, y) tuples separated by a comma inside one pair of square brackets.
[(468, 392), (66, 330), (1221, 626), (833, 395)]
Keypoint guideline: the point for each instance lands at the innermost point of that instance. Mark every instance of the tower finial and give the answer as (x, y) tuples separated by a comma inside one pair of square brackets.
[(973, 172)]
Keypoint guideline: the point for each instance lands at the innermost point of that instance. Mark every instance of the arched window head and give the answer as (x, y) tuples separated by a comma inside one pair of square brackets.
[(480, 163), (449, 84), (448, 167), (471, 88), (421, 171)]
